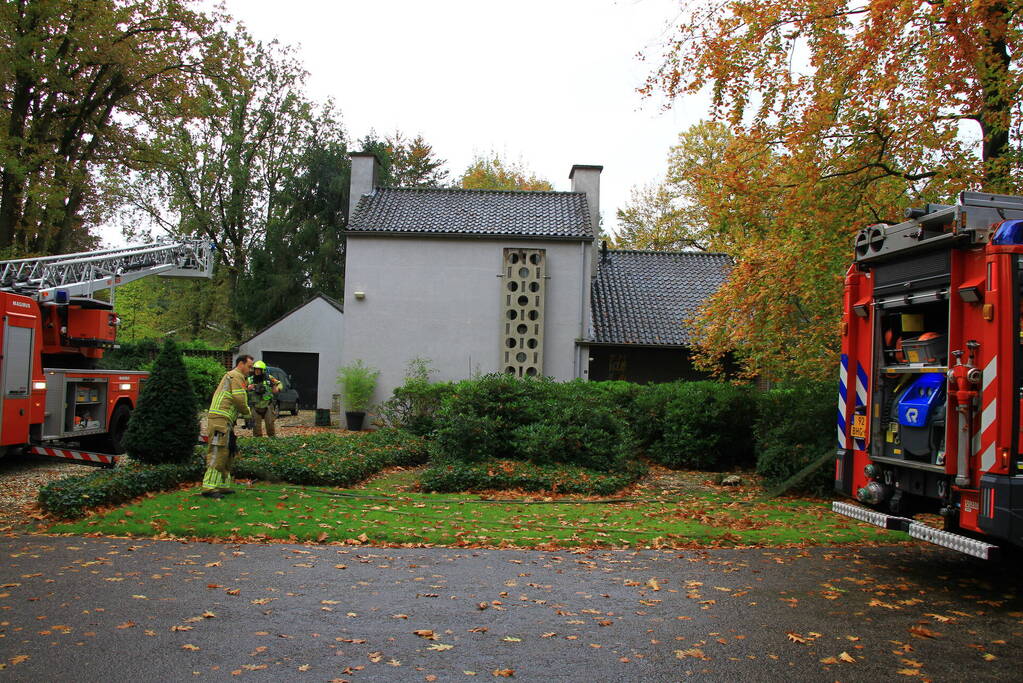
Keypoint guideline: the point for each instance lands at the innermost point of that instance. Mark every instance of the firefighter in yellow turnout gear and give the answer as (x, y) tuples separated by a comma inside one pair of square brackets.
[(262, 387), (229, 403)]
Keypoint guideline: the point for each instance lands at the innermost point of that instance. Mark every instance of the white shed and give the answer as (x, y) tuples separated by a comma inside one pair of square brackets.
[(305, 343)]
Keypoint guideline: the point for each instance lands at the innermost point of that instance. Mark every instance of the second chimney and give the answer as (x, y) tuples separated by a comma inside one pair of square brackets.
[(586, 179), (365, 169)]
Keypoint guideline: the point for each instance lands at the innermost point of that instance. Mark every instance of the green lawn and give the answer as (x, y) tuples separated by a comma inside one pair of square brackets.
[(383, 512)]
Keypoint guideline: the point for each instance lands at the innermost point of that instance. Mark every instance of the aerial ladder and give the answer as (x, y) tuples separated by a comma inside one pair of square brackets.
[(53, 399)]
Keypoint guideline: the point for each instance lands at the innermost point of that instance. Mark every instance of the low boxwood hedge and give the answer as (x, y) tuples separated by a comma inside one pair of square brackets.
[(72, 496), (323, 459), (452, 476), (327, 459)]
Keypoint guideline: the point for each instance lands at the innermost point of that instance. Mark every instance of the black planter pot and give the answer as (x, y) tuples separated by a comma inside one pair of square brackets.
[(354, 420)]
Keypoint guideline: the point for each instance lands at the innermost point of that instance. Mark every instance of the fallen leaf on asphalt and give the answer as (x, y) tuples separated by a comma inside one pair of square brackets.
[(426, 633), (503, 673), (208, 615), (479, 629), (923, 632), (694, 652), (232, 591), (189, 646), (511, 639), (652, 583), (18, 659), (440, 647), (182, 628), (989, 657), (796, 638), (127, 624), (400, 616), (908, 672), (846, 657)]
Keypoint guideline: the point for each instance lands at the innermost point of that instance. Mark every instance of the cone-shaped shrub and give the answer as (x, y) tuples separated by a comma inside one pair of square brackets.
[(164, 426)]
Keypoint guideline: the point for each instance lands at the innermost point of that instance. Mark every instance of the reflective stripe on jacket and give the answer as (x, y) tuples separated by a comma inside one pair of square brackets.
[(229, 401)]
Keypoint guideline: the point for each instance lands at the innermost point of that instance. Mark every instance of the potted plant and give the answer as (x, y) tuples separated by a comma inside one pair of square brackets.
[(357, 382)]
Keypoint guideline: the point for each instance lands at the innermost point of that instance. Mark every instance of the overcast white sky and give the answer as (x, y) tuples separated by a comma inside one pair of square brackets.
[(551, 83)]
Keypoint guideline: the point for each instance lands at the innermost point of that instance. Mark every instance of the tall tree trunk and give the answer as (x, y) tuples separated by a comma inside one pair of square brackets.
[(996, 108)]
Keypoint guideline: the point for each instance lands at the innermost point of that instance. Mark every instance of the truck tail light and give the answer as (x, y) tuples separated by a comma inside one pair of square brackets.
[(125, 387), (38, 386)]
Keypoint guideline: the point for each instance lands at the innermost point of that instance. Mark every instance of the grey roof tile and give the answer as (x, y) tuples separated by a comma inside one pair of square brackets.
[(645, 297), (480, 213)]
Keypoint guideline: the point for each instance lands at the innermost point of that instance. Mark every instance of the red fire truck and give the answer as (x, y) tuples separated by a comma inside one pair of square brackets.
[(931, 377), (53, 400)]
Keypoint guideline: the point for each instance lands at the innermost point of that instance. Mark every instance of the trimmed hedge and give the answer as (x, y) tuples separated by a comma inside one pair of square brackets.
[(450, 476), (72, 496), (698, 425), (321, 459), (328, 459), (535, 420), (796, 425)]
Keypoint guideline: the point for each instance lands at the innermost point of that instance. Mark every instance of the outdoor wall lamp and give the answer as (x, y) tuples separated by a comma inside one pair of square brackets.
[(360, 295)]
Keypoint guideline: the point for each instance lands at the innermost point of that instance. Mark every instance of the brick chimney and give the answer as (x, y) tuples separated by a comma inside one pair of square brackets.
[(586, 179), (365, 169)]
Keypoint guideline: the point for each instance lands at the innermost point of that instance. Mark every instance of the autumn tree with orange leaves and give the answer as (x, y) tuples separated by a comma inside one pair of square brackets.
[(842, 114)]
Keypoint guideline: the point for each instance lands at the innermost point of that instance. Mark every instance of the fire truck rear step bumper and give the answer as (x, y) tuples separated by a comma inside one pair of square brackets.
[(947, 539), (80, 456)]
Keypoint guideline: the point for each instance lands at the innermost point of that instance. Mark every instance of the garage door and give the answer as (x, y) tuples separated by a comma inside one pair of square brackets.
[(304, 369)]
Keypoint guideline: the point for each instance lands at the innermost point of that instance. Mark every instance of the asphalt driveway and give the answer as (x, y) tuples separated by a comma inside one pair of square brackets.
[(119, 609)]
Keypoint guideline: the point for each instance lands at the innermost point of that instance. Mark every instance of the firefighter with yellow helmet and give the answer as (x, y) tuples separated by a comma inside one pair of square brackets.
[(262, 388), (229, 403)]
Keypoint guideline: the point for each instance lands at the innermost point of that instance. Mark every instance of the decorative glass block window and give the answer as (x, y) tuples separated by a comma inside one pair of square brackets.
[(522, 298)]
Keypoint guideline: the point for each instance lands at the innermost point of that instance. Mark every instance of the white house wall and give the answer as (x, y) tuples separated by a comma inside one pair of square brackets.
[(439, 299), (317, 327)]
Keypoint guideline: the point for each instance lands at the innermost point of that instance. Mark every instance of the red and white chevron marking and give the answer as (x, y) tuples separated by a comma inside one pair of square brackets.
[(84, 456), (988, 413)]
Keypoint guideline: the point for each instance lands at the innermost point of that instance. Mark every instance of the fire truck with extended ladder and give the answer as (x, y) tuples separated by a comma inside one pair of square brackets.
[(53, 400), (931, 376)]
